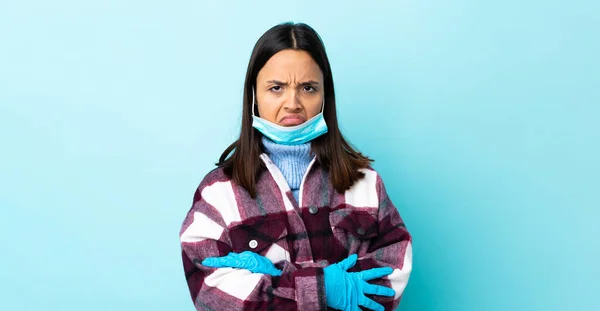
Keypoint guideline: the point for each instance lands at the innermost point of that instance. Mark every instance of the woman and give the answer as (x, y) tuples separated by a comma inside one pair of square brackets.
[(293, 217)]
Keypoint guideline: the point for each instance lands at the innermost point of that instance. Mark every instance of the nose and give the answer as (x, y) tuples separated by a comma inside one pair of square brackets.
[(292, 102)]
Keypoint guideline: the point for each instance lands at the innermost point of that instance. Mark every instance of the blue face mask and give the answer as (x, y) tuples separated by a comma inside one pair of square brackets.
[(291, 135)]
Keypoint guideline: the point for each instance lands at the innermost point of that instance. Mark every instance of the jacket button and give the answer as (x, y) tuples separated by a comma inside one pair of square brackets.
[(253, 244), (313, 210), (360, 231)]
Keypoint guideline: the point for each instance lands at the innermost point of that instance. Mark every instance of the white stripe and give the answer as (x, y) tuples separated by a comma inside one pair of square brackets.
[(200, 229), (364, 192), (303, 180), (279, 180), (236, 282), (277, 254), (399, 278), (220, 195)]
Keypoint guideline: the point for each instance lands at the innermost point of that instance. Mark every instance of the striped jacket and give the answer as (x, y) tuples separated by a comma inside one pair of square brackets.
[(300, 238)]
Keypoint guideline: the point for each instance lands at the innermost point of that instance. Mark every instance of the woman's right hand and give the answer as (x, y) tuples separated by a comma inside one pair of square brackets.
[(346, 290)]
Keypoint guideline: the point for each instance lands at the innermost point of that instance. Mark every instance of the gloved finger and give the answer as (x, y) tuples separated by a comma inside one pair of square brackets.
[(229, 261), (216, 262), (240, 263), (246, 259), (348, 262), (274, 271), (379, 290), (354, 307), (370, 303), (245, 254), (374, 273)]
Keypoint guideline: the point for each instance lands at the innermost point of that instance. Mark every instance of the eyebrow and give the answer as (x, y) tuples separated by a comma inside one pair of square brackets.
[(313, 82)]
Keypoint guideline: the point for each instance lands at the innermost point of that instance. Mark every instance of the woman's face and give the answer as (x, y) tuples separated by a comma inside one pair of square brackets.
[(289, 88)]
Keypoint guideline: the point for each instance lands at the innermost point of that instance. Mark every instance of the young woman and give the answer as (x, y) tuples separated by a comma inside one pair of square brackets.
[(293, 217)]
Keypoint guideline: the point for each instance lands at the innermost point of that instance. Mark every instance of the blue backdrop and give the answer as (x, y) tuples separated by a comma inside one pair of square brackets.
[(482, 117)]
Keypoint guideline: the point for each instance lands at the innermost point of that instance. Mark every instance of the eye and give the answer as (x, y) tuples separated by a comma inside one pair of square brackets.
[(309, 88), (276, 88)]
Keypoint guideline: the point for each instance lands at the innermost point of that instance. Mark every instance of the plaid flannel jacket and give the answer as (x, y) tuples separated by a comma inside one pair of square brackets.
[(300, 238)]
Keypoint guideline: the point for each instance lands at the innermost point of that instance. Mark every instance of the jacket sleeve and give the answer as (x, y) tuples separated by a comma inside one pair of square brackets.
[(392, 247), (205, 234)]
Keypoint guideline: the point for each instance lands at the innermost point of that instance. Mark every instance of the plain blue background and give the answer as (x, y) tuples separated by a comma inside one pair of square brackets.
[(483, 118)]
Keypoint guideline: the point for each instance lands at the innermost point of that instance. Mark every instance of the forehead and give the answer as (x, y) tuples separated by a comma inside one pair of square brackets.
[(290, 65)]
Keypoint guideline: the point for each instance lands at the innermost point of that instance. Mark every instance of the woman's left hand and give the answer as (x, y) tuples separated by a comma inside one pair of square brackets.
[(244, 260)]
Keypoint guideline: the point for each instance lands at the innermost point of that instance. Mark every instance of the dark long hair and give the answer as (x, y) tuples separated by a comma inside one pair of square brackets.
[(333, 152)]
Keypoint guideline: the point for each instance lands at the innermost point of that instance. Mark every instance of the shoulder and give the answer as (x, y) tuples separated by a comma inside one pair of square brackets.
[(377, 180), (372, 178), (367, 191), (214, 177)]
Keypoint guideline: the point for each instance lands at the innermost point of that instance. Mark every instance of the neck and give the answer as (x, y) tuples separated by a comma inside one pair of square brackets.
[(292, 161)]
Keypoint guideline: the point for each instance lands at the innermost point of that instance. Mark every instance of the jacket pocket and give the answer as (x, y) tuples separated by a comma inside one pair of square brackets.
[(353, 231), (360, 223), (267, 238)]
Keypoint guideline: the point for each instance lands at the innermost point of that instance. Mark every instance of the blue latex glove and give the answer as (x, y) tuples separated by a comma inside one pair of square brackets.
[(346, 290), (244, 260)]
